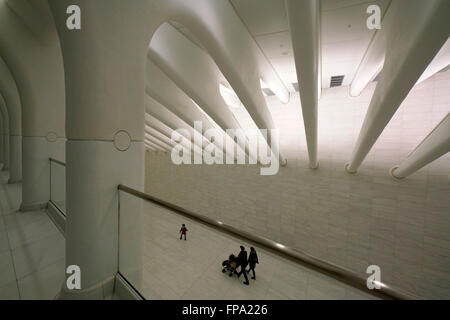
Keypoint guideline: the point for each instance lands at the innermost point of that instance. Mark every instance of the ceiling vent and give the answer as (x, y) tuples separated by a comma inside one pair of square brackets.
[(295, 85), (336, 81), (268, 92)]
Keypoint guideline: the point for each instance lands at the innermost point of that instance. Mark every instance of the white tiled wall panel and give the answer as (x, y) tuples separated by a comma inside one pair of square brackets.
[(351, 220)]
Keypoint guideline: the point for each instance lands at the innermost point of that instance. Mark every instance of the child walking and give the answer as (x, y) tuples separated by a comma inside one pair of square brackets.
[(183, 231)]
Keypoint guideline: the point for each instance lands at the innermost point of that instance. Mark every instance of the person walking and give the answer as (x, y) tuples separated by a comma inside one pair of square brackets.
[(183, 231), (252, 261), (242, 261)]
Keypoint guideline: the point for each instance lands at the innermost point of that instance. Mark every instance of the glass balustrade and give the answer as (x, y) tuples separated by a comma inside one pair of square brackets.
[(58, 184), (160, 265)]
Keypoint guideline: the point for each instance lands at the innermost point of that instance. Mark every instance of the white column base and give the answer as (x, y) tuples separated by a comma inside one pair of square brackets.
[(94, 169), (347, 168)]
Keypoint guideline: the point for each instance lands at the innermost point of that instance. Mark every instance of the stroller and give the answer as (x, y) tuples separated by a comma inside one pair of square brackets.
[(229, 265)]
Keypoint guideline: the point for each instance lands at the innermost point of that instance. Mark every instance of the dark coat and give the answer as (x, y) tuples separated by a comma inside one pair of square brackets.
[(242, 258), (253, 258)]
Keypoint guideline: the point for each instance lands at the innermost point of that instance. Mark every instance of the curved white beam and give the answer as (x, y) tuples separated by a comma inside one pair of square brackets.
[(163, 90), (406, 59), (435, 145), (2, 137), (158, 111), (155, 133), (157, 124), (193, 70), (8, 89), (5, 133), (223, 35), (155, 146), (439, 62), (373, 59), (158, 142), (304, 22), (30, 14), (148, 146)]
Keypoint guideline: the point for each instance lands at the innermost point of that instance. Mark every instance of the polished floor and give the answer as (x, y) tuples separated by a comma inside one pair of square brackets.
[(32, 260), (31, 249), (178, 269)]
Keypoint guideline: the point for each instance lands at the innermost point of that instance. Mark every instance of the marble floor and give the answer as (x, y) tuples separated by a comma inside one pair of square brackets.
[(32, 260), (178, 269), (31, 249)]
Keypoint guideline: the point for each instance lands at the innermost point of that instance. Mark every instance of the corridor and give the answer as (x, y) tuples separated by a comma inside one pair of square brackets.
[(31, 249)]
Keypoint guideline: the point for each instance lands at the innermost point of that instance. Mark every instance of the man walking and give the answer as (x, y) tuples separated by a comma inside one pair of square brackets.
[(242, 260), (252, 261)]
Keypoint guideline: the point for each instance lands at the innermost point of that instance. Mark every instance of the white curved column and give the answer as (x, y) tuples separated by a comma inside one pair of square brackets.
[(158, 135), (164, 115), (304, 22), (435, 145), (2, 136), (440, 61), (406, 59), (8, 89), (164, 91), (155, 146), (373, 59), (222, 33), (104, 65), (43, 136), (154, 140), (5, 134), (194, 72), (150, 147), (167, 132)]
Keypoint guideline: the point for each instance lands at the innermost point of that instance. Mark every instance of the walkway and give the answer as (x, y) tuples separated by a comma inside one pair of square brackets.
[(31, 249), (178, 269)]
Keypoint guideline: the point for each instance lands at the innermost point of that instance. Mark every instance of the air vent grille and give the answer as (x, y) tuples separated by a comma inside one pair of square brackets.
[(295, 85), (336, 81), (268, 92)]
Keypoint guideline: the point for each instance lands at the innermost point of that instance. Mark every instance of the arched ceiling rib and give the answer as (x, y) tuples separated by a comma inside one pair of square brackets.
[(165, 130), (158, 111), (154, 146), (235, 52), (8, 89), (406, 59), (158, 142), (194, 72), (158, 135), (161, 88)]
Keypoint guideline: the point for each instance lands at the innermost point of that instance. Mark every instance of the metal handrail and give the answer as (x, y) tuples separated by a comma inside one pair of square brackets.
[(349, 277), (58, 162)]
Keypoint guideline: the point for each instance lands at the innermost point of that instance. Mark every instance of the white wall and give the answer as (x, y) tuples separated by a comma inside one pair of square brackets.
[(350, 220)]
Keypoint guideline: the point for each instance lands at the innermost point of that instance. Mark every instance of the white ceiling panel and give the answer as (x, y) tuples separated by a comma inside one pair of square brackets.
[(262, 16), (276, 45)]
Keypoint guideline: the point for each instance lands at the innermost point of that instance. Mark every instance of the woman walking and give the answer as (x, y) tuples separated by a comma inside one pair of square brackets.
[(252, 261)]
